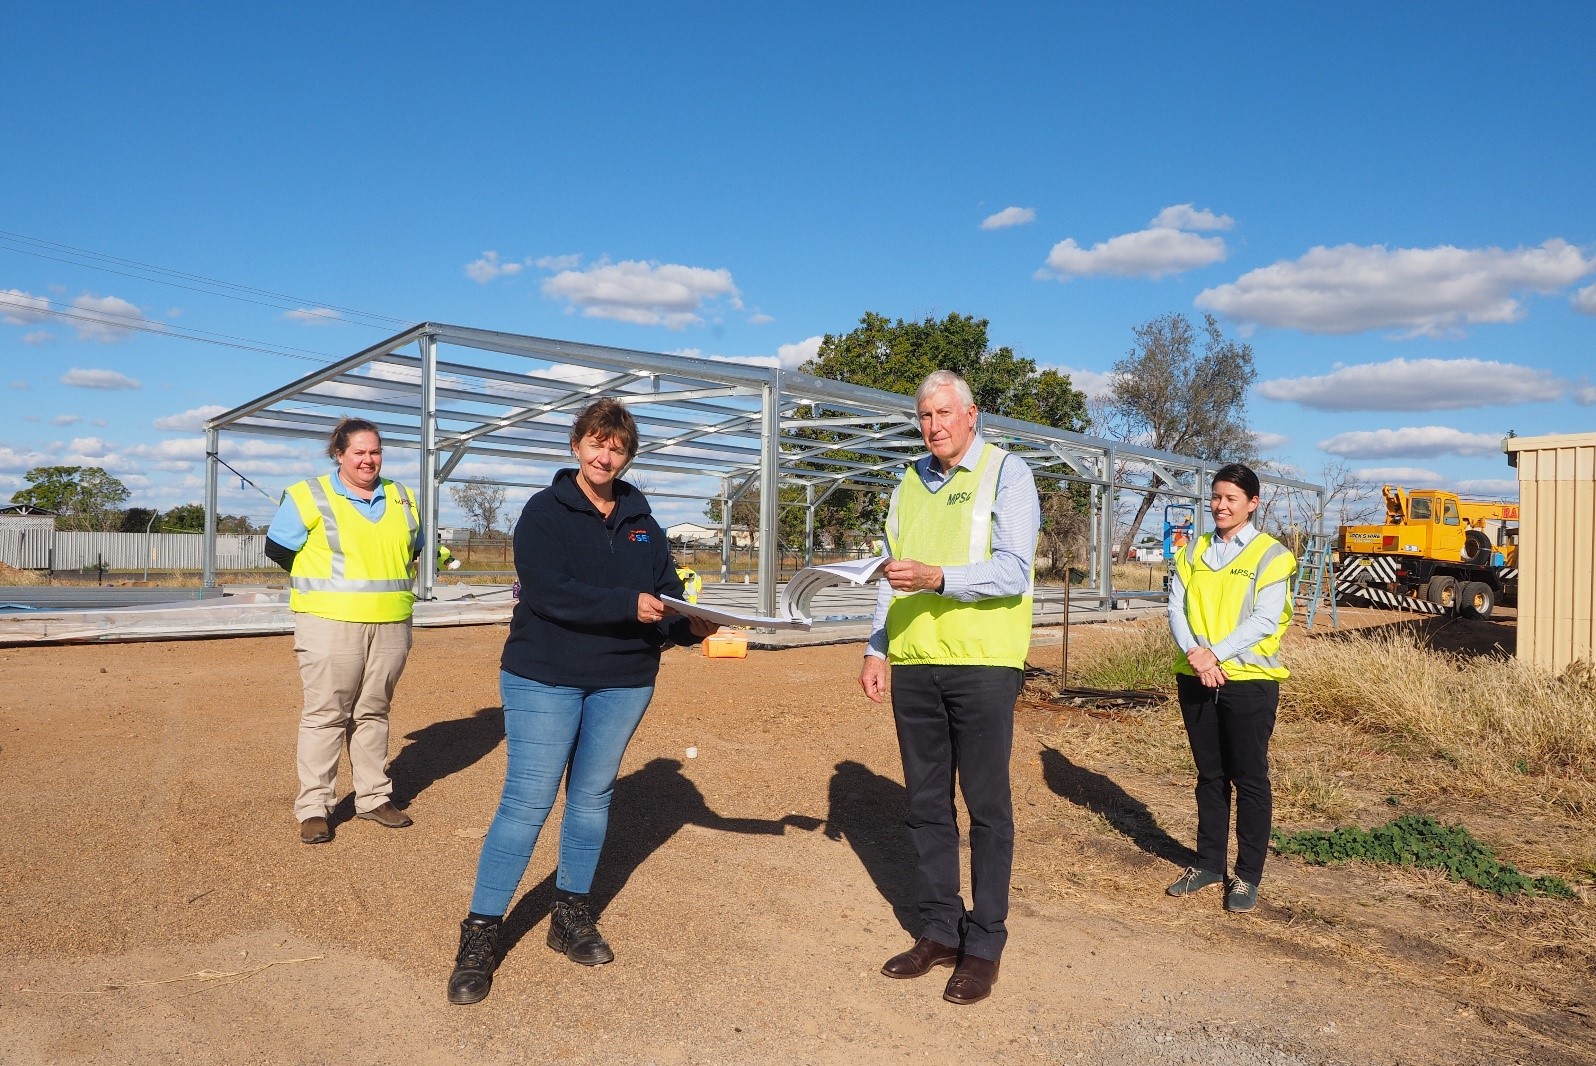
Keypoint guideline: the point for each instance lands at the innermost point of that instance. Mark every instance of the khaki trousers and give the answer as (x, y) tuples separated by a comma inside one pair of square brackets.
[(349, 670)]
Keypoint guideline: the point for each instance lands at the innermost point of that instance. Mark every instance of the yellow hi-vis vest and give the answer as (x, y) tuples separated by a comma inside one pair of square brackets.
[(352, 569), (1217, 601), (953, 527)]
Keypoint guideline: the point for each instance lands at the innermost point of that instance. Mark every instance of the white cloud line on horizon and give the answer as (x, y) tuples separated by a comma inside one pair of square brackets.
[(1584, 300), (191, 421), (1166, 246), (488, 267), (313, 316), (1009, 216), (1418, 385), (1421, 291), (1406, 476), (1411, 442), (644, 293), (99, 379)]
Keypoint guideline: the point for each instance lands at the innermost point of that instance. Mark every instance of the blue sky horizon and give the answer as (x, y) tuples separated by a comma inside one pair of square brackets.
[(1389, 203)]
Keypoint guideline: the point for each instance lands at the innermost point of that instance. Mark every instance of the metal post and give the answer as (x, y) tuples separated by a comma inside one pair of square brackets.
[(1105, 532), (809, 525), (212, 441), (725, 532), (428, 496), (769, 494), (147, 525)]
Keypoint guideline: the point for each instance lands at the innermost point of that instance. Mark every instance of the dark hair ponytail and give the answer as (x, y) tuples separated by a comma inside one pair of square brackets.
[(1241, 476), (347, 427)]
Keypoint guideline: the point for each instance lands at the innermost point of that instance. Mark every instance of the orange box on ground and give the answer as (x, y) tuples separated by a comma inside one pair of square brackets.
[(726, 645)]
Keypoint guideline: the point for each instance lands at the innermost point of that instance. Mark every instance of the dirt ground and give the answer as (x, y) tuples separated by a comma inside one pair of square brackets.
[(158, 906)]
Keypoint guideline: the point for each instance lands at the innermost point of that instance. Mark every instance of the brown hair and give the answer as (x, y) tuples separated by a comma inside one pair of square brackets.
[(347, 427), (607, 419)]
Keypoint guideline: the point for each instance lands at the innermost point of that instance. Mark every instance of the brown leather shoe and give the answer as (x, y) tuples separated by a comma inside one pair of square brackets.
[(972, 980), (314, 831), (918, 960), (388, 816)]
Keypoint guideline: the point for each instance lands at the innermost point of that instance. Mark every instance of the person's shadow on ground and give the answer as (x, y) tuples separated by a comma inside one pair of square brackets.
[(1128, 815), (435, 752), (868, 810), (650, 805)]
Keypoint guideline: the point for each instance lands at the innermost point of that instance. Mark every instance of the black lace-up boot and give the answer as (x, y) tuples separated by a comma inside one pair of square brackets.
[(573, 931), (475, 962)]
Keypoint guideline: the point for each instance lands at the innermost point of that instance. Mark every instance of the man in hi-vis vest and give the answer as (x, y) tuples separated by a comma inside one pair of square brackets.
[(954, 620), (1229, 605), (348, 541)]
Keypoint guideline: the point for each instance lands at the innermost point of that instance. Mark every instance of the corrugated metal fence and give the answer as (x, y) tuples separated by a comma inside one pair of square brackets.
[(34, 549)]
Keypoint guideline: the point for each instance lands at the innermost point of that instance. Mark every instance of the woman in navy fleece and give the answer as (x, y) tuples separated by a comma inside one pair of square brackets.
[(577, 673)]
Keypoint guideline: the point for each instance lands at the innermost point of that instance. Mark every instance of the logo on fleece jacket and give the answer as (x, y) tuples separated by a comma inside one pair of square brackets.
[(637, 536)]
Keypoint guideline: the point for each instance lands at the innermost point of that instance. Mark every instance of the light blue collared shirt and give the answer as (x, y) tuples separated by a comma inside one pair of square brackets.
[(1016, 521), (1266, 612)]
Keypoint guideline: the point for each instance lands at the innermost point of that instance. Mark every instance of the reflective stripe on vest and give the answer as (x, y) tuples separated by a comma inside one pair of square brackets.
[(1267, 561), (382, 591), (953, 527)]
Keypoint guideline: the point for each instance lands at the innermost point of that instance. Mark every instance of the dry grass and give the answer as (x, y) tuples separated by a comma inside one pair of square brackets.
[(10, 575)]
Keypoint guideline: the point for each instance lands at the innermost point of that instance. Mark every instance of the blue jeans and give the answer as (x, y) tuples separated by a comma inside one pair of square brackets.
[(548, 730)]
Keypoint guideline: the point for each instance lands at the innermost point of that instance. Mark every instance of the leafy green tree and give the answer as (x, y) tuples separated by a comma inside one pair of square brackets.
[(85, 497), (184, 518), (1170, 395), (896, 356), (137, 519)]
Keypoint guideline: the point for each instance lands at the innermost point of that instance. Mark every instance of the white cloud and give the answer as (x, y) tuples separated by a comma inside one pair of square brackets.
[(18, 308), (1422, 291), (1418, 385), (647, 294), (1584, 300), (1269, 442), (98, 379), (1584, 395), (183, 450), (1411, 442), (105, 318), (38, 336), (313, 316), (1490, 488), (1185, 216), (90, 446), (13, 459), (66, 420), (488, 267), (190, 420), (1094, 383), (558, 262), (1009, 216), (1406, 476), (20, 385), (792, 356), (759, 318), (1164, 247)]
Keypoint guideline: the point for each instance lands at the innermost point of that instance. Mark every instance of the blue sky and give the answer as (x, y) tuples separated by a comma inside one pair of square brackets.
[(1391, 203)]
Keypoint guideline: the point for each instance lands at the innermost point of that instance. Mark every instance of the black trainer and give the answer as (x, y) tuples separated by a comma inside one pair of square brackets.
[(475, 962), (573, 931)]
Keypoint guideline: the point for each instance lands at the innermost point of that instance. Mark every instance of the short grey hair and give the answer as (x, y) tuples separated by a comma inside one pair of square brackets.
[(941, 379)]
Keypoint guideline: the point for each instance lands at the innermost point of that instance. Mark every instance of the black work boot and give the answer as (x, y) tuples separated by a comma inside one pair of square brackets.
[(573, 931), (475, 962)]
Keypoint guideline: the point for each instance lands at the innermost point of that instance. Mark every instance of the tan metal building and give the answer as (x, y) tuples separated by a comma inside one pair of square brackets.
[(1557, 547)]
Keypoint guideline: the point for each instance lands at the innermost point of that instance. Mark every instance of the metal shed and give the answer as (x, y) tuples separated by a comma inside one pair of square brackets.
[(1556, 547), (454, 392)]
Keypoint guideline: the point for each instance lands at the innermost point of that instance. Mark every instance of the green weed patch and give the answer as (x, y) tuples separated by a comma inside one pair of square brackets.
[(1419, 840)]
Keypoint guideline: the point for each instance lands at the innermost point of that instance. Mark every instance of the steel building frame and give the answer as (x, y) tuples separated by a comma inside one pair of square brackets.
[(750, 428)]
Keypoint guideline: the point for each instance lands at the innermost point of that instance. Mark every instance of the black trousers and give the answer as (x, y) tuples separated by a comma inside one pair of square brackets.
[(1229, 729), (957, 723)]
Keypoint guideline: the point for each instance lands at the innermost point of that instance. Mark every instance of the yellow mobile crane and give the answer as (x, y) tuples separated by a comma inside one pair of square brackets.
[(1435, 552)]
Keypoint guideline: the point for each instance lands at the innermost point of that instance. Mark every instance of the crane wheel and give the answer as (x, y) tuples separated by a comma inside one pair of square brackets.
[(1476, 599), (1476, 548), (1442, 591)]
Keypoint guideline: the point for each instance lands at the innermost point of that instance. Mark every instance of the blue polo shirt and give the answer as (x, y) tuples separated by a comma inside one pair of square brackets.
[(289, 530)]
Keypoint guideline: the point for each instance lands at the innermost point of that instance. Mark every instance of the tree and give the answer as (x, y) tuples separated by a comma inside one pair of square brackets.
[(85, 498), (481, 501), (184, 518), (1168, 395), (896, 356), (137, 519)]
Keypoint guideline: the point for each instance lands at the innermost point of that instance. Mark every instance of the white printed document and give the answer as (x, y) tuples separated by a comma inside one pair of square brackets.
[(793, 605)]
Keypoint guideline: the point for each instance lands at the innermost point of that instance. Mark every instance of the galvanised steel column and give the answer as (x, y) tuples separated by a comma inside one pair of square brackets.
[(725, 531), (1105, 533), (769, 494), (212, 440), (809, 525), (429, 466)]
